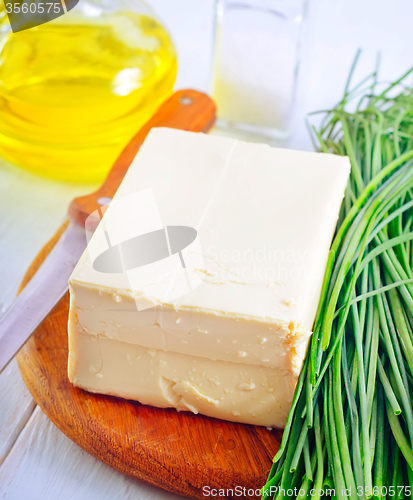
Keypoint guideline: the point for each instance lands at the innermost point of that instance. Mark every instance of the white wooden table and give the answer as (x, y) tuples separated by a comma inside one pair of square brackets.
[(36, 460)]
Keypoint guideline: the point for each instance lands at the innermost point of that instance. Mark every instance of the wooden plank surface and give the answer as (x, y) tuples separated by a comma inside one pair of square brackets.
[(16, 406), (45, 465), (31, 210)]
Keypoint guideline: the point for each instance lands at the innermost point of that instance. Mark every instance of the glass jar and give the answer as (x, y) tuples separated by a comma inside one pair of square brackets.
[(257, 54), (75, 90)]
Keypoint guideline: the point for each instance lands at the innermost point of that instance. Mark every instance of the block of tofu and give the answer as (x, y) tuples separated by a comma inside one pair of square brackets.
[(232, 346)]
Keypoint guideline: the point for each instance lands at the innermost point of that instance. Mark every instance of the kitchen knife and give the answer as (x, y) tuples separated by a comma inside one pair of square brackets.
[(186, 110)]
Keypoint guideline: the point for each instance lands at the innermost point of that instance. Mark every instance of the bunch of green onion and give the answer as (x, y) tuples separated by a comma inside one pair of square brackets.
[(349, 433)]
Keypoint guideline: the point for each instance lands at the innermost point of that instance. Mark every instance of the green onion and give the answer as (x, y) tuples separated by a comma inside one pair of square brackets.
[(351, 422)]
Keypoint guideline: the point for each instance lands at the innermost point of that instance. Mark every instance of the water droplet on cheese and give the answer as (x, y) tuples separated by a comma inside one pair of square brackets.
[(177, 321), (116, 297), (263, 340), (242, 354)]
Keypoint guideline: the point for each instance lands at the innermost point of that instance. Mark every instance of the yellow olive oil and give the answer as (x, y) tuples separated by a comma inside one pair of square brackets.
[(74, 91)]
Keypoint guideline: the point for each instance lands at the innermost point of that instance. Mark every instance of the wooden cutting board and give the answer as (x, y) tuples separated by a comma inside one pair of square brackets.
[(179, 452)]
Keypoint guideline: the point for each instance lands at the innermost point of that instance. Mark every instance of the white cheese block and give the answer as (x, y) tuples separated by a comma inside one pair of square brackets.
[(232, 345)]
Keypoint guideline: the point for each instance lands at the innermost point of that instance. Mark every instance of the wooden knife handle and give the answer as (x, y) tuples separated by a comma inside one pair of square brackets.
[(184, 110)]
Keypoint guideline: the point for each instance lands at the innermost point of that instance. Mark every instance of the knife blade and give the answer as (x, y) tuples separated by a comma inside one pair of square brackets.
[(43, 292), (187, 110)]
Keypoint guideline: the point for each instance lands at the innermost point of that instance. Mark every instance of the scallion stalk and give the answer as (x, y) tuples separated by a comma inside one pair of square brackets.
[(351, 421)]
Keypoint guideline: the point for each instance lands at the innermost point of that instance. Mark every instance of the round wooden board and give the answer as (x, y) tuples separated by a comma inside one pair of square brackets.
[(179, 452)]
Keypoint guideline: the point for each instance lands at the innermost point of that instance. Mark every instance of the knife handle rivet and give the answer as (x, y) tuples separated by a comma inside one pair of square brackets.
[(104, 200), (185, 101)]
